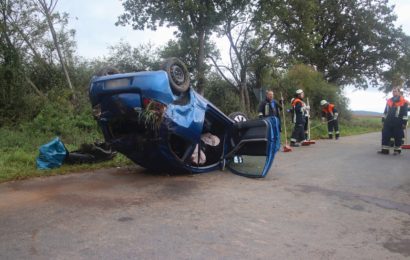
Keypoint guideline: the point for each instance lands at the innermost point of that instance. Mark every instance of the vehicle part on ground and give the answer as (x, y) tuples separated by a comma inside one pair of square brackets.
[(90, 153)]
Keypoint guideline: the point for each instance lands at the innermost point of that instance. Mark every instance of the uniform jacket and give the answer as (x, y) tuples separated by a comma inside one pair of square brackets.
[(396, 111), (329, 112), (298, 110)]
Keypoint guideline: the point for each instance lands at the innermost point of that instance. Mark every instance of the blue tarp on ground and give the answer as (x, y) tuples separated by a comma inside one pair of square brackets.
[(51, 155)]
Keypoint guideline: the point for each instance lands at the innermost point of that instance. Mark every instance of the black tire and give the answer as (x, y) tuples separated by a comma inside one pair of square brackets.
[(238, 117), (177, 73), (107, 71)]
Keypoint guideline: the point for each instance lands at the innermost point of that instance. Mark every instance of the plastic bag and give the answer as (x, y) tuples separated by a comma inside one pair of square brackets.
[(51, 155)]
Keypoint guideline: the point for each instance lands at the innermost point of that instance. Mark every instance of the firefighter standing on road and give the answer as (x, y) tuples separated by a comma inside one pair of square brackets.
[(394, 121), (330, 114), (299, 110)]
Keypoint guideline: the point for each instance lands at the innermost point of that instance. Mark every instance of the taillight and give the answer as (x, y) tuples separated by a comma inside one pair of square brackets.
[(153, 105), (146, 102)]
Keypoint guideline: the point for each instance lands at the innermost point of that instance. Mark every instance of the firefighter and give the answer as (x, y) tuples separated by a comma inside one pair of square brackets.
[(330, 115), (299, 112), (394, 121)]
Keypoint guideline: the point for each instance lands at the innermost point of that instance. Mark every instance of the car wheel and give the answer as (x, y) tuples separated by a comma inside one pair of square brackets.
[(107, 71), (238, 117), (178, 74)]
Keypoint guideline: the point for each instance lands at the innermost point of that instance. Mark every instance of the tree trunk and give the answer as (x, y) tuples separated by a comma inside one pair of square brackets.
[(247, 100), (47, 12), (242, 91), (201, 61)]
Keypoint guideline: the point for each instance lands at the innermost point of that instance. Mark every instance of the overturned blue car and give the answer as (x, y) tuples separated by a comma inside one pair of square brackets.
[(155, 119)]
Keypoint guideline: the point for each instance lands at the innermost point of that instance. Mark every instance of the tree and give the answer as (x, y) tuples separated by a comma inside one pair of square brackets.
[(47, 9), (349, 41), (127, 59), (315, 87), (194, 19), (27, 57), (248, 40)]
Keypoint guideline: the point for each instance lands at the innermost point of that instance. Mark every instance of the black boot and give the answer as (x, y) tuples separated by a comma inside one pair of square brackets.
[(330, 136), (294, 144), (384, 151), (397, 151), (337, 136)]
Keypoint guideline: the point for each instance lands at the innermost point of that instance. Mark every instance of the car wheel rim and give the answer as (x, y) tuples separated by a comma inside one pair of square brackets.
[(239, 118)]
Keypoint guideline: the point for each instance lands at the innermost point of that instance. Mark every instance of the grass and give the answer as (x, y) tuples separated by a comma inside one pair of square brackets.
[(354, 126), (19, 144)]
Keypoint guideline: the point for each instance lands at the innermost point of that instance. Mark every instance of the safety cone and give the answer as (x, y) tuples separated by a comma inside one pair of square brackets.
[(405, 145), (286, 147)]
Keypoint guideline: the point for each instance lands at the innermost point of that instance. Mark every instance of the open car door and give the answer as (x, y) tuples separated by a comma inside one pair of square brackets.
[(254, 144)]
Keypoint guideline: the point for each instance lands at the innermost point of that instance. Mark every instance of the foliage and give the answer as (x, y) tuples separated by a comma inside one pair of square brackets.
[(127, 59), (349, 41), (194, 20), (28, 63), (315, 88), (248, 42), (222, 95)]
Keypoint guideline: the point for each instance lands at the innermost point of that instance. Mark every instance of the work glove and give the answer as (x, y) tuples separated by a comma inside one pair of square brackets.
[(307, 108), (336, 115), (323, 119)]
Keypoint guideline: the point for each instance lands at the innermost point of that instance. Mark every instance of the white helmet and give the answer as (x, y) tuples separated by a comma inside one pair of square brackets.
[(323, 102), (299, 91)]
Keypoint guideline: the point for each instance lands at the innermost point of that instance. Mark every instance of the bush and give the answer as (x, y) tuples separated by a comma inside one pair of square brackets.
[(315, 88)]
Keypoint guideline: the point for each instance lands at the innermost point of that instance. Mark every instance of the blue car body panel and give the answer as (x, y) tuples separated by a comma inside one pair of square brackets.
[(121, 95)]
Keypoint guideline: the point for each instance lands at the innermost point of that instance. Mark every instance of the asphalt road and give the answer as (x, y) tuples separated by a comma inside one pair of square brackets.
[(332, 200)]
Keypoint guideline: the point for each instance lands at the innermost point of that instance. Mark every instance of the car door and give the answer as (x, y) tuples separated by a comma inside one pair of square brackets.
[(253, 144)]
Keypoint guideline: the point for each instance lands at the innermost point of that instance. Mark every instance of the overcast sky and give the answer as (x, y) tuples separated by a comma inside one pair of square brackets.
[(95, 32)]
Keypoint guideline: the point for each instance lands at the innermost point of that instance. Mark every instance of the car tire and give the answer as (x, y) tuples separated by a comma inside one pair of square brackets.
[(238, 117), (105, 71), (177, 73)]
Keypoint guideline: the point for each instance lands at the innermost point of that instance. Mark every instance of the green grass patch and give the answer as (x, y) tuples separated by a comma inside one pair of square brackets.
[(19, 144), (354, 126)]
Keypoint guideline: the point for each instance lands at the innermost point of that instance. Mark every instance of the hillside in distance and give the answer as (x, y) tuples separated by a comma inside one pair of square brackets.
[(366, 113)]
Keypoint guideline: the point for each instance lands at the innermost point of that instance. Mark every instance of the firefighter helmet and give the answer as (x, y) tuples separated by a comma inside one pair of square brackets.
[(299, 91), (323, 102)]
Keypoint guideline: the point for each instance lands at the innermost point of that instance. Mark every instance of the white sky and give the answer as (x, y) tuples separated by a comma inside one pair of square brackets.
[(94, 22)]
